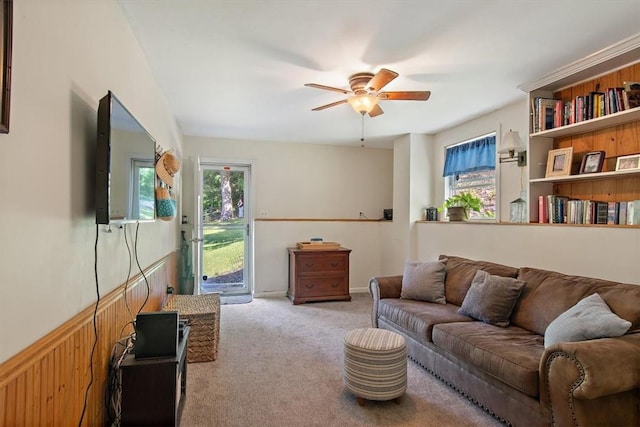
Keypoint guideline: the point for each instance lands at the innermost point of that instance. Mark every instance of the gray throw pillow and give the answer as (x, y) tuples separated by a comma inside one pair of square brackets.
[(590, 318), (424, 281), (491, 298)]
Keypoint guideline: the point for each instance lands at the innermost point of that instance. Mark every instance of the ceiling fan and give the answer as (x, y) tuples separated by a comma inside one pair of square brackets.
[(365, 92)]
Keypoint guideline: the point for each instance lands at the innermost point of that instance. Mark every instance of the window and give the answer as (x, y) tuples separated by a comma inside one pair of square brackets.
[(142, 202), (470, 167), (482, 184)]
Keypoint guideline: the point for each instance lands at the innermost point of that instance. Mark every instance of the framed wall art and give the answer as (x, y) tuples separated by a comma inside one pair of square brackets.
[(592, 162), (559, 162), (628, 162), (6, 32)]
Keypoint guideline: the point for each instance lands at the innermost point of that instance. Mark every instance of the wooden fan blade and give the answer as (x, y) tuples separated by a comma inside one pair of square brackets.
[(333, 104), (375, 111), (334, 89), (405, 96), (381, 79)]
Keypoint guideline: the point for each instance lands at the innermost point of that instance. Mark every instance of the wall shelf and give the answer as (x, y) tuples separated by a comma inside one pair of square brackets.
[(588, 176), (529, 224), (591, 125)]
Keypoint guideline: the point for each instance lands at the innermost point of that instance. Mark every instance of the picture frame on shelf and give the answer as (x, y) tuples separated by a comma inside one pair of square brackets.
[(628, 162), (632, 91), (592, 162), (559, 162)]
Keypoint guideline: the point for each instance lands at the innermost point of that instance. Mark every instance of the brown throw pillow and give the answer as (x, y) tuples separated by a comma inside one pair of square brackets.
[(424, 281), (491, 298)]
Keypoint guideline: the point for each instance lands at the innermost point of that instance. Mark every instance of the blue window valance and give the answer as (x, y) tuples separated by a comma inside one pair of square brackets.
[(476, 155)]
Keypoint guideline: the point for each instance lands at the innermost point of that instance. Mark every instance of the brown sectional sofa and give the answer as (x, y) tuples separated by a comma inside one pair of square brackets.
[(508, 371)]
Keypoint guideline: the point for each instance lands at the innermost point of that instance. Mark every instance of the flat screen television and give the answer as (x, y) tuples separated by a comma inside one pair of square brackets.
[(125, 166)]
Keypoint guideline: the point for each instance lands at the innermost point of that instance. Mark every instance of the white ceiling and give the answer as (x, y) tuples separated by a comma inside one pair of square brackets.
[(236, 68)]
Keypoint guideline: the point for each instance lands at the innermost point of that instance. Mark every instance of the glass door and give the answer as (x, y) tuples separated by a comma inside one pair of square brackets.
[(225, 246)]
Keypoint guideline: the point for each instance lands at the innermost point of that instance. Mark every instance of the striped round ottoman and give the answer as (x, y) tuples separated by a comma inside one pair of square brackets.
[(375, 364)]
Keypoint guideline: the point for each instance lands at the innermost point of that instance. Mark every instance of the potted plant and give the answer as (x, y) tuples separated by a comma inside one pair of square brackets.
[(459, 205)]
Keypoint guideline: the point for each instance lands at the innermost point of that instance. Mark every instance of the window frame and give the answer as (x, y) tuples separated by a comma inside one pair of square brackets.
[(138, 163), (450, 179)]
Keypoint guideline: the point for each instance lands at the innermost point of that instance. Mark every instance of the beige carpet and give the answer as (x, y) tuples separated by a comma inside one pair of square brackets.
[(281, 365)]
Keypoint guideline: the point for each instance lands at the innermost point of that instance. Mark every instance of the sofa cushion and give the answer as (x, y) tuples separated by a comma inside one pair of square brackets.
[(424, 281), (461, 271), (416, 318), (511, 355), (491, 298), (588, 319), (548, 294)]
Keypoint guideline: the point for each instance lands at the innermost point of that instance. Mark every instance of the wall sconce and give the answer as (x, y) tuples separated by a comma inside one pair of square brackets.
[(513, 149)]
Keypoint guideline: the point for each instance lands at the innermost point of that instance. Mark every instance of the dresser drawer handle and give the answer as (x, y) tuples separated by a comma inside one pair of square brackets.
[(335, 264), (308, 264), (335, 285), (309, 286)]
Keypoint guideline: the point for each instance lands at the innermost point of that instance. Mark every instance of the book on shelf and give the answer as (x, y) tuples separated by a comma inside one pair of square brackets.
[(550, 113), (596, 105), (622, 213), (550, 202), (547, 113), (613, 209), (588, 111), (580, 109), (554, 209), (614, 100), (560, 210), (568, 113), (633, 212), (543, 218), (601, 214)]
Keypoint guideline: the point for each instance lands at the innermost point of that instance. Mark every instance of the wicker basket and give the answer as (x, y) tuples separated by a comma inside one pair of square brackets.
[(203, 315)]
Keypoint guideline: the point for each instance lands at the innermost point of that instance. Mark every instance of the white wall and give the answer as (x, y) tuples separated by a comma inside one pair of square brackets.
[(605, 253), (412, 192), (608, 253), (513, 116), (305, 181), (273, 237), (66, 55)]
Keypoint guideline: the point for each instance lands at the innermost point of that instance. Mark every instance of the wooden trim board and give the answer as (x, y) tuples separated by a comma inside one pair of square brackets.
[(45, 383)]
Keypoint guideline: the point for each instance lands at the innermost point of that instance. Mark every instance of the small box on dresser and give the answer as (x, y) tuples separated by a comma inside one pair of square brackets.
[(318, 275)]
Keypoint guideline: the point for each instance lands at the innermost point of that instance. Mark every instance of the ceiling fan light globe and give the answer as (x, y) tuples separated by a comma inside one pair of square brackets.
[(363, 104)]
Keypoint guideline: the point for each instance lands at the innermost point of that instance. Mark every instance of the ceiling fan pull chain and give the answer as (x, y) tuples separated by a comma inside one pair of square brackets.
[(362, 133)]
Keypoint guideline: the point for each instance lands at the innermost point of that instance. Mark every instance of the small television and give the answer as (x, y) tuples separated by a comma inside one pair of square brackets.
[(125, 166)]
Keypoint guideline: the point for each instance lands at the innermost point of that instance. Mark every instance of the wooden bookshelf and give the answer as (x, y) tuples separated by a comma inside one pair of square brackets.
[(617, 134)]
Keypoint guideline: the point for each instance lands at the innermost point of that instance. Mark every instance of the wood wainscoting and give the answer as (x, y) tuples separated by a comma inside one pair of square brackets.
[(45, 384)]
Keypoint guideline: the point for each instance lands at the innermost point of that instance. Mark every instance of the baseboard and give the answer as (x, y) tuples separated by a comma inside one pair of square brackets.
[(271, 294), (282, 294)]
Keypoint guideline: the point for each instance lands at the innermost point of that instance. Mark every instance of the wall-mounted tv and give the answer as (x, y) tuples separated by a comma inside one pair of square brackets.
[(125, 172)]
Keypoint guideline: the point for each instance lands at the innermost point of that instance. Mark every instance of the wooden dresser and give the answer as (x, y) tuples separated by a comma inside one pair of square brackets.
[(318, 275)]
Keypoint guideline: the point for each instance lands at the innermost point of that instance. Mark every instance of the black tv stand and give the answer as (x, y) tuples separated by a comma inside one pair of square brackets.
[(153, 389)]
